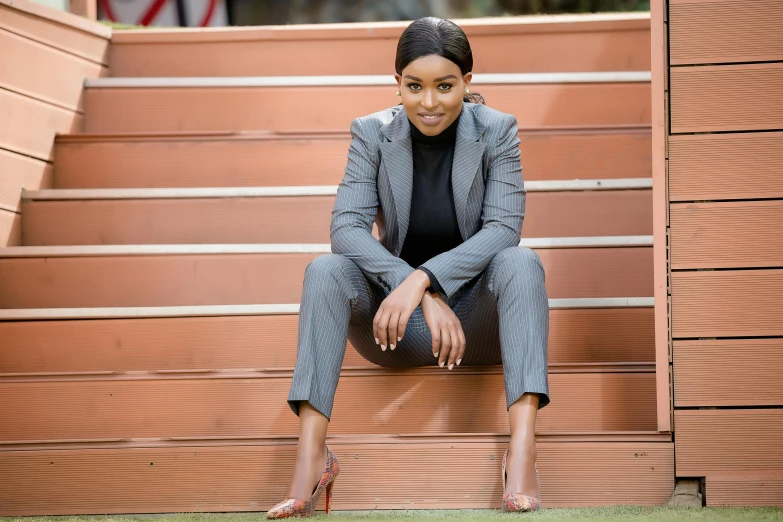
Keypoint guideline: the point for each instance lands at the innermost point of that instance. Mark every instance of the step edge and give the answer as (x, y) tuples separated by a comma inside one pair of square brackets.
[(358, 80), (28, 314), (302, 191)]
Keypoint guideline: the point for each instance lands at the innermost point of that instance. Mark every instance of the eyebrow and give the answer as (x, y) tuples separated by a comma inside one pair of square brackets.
[(449, 77)]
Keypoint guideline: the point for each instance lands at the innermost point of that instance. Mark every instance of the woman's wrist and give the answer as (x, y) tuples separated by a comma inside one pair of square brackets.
[(422, 279)]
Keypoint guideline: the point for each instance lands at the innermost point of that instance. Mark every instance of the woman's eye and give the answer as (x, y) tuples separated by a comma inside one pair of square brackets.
[(414, 86), (444, 86)]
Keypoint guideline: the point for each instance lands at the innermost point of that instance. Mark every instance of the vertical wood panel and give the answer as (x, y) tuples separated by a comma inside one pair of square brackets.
[(10, 229), (17, 172)]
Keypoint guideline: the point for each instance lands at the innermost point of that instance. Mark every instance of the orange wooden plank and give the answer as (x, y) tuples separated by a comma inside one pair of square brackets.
[(18, 172), (725, 166), (727, 98), (257, 160), (745, 488), (297, 219), (551, 45), (57, 78), (333, 108), (256, 477), (727, 303), (376, 401), (58, 29), (200, 279), (708, 373), (575, 336), (725, 31), (722, 441), (726, 235), (10, 229), (29, 125)]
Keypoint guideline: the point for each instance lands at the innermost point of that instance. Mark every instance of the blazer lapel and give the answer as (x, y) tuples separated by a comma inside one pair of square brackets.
[(468, 152), (397, 158)]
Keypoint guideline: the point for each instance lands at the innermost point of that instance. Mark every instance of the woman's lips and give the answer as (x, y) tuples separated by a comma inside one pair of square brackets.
[(431, 119)]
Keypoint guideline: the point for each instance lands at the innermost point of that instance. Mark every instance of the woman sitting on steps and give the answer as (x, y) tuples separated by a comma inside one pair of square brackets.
[(447, 284)]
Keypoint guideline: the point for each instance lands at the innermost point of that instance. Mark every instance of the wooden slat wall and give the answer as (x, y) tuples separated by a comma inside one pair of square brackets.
[(46, 57), (724, 210)]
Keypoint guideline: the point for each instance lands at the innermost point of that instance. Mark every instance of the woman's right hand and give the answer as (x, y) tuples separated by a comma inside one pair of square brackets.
[(448, 339)]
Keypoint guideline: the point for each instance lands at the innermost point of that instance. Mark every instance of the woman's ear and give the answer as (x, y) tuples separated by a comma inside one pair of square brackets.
[(467, 79)]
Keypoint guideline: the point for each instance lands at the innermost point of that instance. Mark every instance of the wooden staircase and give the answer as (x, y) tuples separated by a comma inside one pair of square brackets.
[(148, 323)]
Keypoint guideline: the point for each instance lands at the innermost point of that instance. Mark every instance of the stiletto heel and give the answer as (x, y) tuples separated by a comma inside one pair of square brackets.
[(292, 507), (518, 502)]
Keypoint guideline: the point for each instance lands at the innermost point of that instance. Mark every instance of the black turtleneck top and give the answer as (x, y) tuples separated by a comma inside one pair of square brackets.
[(432, 227)]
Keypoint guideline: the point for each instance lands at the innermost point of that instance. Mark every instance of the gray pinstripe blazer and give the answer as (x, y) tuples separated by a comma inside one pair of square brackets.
[(489, 196)]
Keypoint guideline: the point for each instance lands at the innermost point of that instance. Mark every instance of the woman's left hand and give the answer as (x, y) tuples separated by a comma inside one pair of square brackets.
[(392, 317)]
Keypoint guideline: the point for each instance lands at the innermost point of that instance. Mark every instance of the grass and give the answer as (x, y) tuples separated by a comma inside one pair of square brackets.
[(614, 513)]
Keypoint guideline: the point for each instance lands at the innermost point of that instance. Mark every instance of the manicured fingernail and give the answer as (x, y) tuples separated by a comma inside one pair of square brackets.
[(451, 366), (377, 341), (459, 361), (436, 354), (383, 347), (441, 363), (391, 346), (399, 339)]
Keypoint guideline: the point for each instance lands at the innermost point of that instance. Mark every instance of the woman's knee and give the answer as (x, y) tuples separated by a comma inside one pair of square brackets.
[(327, 267), (519, 259)]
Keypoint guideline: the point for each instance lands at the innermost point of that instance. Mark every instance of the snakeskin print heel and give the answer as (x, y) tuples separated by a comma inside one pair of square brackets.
[(292, 507), (516, 502)]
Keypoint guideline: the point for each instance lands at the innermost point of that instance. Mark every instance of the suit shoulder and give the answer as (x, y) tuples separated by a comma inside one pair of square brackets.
[(493, 119), (371, 124)]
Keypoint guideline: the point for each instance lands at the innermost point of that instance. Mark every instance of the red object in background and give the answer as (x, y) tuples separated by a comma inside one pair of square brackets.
[(154, 9)]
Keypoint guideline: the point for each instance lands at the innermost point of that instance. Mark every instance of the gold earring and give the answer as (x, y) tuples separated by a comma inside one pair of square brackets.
[(398, 93), (467, 91)]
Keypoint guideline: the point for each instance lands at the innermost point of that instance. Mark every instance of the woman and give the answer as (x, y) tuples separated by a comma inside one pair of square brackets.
[(447, 283)]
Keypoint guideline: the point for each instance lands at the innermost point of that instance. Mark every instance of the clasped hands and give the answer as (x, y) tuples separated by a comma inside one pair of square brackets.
[(448, 339)]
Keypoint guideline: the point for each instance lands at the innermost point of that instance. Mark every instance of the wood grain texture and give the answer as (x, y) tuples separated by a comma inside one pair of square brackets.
[(19, 172), (10, 229), (302, 109), (160, 280), (30, 126), (727, 303), (725, 166), (550, 46), (182, 479), (596, 336), (741, 372), (725, 31), (745, 488), (375, 401), (727, 98), (743, 234), (244, 161), (721, 441), (298, 219), (56, 78)]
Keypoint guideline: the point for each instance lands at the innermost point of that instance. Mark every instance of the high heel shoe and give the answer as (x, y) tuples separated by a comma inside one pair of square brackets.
[(518, 502), (292, 507)]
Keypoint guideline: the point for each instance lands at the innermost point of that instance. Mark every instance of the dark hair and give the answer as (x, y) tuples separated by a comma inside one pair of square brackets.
[(430, 35)]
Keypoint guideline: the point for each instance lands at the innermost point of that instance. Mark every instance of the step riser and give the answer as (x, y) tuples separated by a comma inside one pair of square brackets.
[(254, 478), (267, 278), (333, 108), (298, 219), (201, 162), (575, 336)]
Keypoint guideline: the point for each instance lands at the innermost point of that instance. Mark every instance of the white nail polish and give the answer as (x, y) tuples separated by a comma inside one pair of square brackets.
[(436, 354), (459, 361), (441, 364), (399, 339), (383, 347), (451, 366), (391, 346), (377, 341)]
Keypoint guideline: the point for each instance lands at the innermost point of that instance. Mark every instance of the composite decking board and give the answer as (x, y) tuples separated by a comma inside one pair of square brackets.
[(38, 82), (744, 489), (741, 234), (18, 171), (725, 31), (369, 401), (722, 441), (727, 303), (726, 98), (10, 228), (247, 161), (333, 108), (725, 166), (575, 336), (184, 479), (709, 373), (302, 219), (204, 279)]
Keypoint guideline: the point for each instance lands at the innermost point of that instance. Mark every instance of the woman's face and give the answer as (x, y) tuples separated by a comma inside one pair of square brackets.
[(432, 88)]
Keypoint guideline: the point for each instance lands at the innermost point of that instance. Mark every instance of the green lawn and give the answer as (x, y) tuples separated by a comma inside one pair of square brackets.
[(591, 514)]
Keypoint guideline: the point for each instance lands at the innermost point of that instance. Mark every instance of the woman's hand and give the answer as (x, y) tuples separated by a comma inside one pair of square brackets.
[(390, 321), (448, 339)]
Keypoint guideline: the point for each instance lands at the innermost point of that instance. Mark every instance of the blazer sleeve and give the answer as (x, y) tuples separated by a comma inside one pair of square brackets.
[(502, 214), (354, 213)]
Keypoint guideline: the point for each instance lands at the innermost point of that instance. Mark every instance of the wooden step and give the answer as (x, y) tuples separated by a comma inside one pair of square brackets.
[(307, 104), (375, 473), (597, 331), (173, 275), (295, 214), (584, 42), (259, 159), (248, 403)]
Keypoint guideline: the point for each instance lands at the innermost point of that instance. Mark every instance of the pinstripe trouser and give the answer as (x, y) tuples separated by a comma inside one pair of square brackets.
[(504, 314)]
